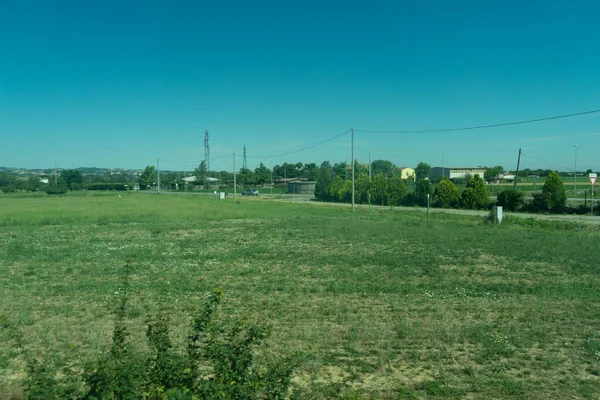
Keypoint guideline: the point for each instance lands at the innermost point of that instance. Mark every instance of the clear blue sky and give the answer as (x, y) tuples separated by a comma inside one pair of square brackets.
[(122, 83)]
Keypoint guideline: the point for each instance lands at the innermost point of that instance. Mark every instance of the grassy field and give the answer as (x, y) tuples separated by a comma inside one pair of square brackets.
[(384, 306)]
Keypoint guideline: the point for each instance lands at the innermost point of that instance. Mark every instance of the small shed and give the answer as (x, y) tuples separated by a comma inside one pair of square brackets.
[(302, 187)]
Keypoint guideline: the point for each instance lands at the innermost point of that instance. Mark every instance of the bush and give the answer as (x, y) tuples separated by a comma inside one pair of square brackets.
[(379, 189), (397, 190), (218, 362), (60, 187), (323, 185), (336, 191), (510, 199), (422, 189), (553, 197), (363, 187), (108, 186), (475, 195), (446, 194)]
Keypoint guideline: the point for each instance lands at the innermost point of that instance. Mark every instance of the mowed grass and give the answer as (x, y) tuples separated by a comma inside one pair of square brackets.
[(383, 306)]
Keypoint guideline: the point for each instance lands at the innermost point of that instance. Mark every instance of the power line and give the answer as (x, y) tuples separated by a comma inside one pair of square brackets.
[(467, 128), (304, 148), (546, 162)]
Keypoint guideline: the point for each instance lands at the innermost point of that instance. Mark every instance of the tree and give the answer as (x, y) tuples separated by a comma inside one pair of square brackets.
[(169, 179), (33, 184), (446, 194), (345, 194), (363, 186), (475, 195), (73, 178), (262, 174), (201, 173), (57, 187), (358, 169), (148, 177), (323, 186), (492, 173), (422, 171), (246, 177), (310, 171), (336, 187), (397, 190), (384, 167), (553, 197), (379, 189), (339, 169), (422, 189), (8, 183)]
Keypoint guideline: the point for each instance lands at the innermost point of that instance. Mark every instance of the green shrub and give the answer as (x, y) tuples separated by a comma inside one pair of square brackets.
[(379, 189), (510, 199), (397, 190), (422, 189), (446, 194), (108, 186), (475, 195), (552, 198), (218, 362), (363, 187), (57, 186), (323, 185)]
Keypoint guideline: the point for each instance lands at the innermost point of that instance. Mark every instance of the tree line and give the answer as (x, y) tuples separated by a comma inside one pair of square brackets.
[(381, 185), (393, 190)]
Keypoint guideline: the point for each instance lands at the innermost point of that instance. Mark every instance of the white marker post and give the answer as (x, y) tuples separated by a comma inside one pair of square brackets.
[(593, 182)]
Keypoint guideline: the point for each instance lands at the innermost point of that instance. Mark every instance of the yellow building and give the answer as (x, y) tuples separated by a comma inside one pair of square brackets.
[(406, 172)]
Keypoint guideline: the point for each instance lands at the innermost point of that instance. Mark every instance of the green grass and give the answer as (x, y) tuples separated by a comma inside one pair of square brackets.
[(385, 306)]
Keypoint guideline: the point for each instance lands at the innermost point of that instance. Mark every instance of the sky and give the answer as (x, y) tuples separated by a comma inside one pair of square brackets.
[(122, 83)]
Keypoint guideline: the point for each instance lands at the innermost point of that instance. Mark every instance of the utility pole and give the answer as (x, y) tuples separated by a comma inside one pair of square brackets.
[(443, 172), (244, 160), (285, 188), (207, 153), (575, 192), (271, 162), (517, 173), (352, 161), (158, 176), (234, 183)]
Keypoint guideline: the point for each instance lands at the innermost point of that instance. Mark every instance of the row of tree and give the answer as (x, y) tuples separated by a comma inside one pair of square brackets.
[(57, 184), (551, 199), (394, 191)]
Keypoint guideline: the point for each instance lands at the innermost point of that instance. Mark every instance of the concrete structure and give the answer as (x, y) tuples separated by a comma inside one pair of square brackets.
[(192, 179), (507, 177), (306, 187), (406, 172), (455, 172)]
